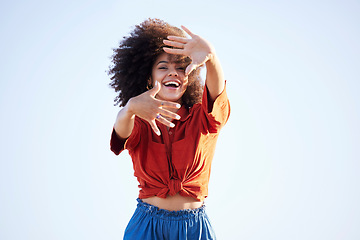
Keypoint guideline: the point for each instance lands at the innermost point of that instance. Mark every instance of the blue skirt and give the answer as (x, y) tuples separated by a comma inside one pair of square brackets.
[(150, 222)]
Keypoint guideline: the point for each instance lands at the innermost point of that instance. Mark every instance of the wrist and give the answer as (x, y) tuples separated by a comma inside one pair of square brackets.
[(212, 59), (128, 109), (211, 53)]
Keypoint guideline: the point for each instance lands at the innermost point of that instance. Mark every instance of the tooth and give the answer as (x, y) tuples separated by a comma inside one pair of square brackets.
[(172, 82)]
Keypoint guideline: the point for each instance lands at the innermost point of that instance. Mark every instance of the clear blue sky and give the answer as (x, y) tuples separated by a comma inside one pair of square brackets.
[(286, 165)]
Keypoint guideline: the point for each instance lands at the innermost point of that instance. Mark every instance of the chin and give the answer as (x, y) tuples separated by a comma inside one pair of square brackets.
[(173, 99), (171, 94), (170, 98)]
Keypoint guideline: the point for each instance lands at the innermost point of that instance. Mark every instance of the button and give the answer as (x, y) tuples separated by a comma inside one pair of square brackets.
[(170, 132)]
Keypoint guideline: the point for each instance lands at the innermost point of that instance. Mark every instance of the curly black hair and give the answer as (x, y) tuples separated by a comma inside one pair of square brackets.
[(134, 58)]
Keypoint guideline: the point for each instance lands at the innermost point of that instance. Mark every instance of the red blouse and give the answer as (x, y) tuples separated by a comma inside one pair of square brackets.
[(179, 160)]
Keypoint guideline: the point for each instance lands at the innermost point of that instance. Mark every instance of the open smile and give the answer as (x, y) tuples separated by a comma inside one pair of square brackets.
[(172, 84)]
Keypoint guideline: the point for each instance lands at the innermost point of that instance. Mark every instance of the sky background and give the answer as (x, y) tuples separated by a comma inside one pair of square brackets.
[(286, 164)]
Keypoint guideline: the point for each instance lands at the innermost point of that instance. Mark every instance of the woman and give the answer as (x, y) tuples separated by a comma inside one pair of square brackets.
[(169, 123)]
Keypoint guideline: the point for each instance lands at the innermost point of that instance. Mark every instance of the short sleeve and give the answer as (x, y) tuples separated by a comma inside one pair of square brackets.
[(118, 144), (217, 112)]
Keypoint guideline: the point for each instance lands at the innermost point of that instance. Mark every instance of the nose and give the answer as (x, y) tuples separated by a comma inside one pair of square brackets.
[(173, 72)]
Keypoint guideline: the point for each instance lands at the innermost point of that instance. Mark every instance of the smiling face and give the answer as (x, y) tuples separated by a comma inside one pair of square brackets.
[(171, 77)]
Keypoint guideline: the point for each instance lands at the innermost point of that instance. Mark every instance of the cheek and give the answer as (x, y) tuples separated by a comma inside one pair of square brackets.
[(154, 74), (154, 78)]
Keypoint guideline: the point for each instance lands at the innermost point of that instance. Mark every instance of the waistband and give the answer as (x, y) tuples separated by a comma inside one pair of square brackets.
[(174, 215)]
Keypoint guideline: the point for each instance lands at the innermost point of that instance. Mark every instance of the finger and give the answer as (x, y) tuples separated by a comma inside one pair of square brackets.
[(178, 39), (187, 31), (155, 89), (164, 121), (169, 114), (154, 127), (173, 44), (168, 104), (190, 68), (174, 51)]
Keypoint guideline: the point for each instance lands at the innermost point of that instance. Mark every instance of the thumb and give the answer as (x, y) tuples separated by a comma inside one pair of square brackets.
[(155, 89), (190, 68)]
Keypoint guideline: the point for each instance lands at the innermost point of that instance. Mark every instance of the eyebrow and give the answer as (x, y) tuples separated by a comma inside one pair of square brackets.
[(162, 62)]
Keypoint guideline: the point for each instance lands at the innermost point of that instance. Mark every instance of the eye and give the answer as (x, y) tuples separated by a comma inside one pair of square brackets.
[(162, 67)]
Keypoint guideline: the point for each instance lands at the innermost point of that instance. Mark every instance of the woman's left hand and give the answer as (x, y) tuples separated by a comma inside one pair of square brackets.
[(196, 47)]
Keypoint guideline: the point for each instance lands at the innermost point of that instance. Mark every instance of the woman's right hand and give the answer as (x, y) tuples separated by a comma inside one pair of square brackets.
[(147, 107)]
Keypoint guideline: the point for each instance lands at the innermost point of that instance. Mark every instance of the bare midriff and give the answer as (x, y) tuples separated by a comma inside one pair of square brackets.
[(174, 203)]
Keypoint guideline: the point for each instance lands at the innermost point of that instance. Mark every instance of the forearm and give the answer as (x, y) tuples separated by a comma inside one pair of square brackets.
[(124, 123), (215, 80)]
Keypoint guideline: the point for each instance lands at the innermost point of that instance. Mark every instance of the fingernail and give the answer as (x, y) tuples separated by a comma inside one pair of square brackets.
[(172, 125), (178, 105), (178, 117), (158, 133)]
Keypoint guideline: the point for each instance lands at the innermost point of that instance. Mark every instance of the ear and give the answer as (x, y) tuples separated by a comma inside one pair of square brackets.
[(149, 84)]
